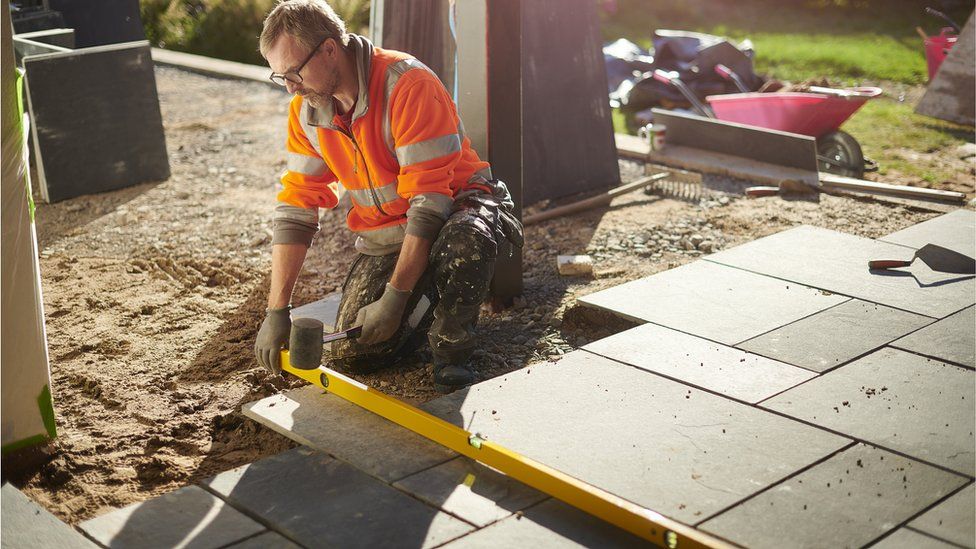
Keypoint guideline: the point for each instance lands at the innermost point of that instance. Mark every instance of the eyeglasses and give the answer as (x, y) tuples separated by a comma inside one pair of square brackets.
[(294, 76)]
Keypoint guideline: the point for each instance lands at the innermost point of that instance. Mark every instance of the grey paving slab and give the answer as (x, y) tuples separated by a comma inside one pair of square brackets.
[(549, 524), (320, 501), (712, 301), (325, 309), (328, 423), (469, 490), (835, 336), (699, 362), (26, 525), (895, 399), (837, 262), (906, 538), (953, 339), (680, 451), (955, 230), (267, 540), (848, 500), (953, 520), (188, 517)]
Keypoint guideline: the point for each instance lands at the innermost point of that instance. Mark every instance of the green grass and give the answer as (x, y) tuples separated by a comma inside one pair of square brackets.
[(889, 131)]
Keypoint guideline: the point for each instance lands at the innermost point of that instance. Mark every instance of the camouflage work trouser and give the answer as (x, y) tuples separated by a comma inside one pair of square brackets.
[(445, 303)]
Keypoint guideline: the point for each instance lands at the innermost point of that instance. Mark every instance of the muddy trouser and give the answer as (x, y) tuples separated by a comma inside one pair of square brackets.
[(447, 299)]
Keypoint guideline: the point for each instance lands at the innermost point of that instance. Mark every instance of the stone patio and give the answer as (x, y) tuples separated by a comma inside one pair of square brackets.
[(778, 394)]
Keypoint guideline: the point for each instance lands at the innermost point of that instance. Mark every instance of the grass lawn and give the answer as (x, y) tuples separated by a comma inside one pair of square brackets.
[(849, 42)]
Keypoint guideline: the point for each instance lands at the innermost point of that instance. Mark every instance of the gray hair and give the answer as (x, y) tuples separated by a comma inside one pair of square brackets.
[(310, 22)]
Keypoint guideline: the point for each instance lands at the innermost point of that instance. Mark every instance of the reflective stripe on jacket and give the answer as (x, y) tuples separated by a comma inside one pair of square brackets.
[(407, 150)]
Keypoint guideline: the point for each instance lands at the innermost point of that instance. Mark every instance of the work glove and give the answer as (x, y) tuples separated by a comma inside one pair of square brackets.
[(272, 337), (381, 318)]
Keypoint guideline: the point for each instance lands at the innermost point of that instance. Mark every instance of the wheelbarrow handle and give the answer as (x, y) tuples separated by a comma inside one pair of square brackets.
[(663, 76), (887, 263)]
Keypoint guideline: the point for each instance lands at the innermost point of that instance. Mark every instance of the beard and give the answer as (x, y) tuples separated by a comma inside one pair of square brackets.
[(319, 98)]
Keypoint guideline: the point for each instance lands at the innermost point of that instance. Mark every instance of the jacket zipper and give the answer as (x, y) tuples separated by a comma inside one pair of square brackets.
[(355, 169)]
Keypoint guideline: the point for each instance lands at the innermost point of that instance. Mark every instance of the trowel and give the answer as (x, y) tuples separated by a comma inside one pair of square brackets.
[(936, 257)]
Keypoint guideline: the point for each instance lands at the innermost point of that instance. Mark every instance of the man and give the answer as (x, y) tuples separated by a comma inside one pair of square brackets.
[(427, 213)]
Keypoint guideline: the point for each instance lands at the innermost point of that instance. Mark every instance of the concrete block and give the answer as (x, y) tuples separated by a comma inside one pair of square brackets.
[(713, 301), (952, 520), (898, 400), (838, 262), (188, 517), (669, 447), (27, 525), (835, 336), (551, 524), (849, 500), (574, 265), (471, 491), (952, 339), (330, 424), (701, 363), (955, 230), (319, 501)]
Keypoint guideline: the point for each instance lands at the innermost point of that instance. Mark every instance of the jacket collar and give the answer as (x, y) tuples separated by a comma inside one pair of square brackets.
[(363, 50)]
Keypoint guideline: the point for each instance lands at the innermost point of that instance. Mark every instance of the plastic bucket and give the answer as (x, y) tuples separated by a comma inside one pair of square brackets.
[(937, 48)]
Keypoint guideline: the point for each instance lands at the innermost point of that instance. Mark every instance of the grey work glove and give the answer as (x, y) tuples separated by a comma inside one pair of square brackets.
[(381, 318), (272, 336)]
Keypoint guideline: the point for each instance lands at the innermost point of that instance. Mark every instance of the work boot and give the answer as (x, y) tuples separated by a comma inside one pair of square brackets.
[(451, 377)]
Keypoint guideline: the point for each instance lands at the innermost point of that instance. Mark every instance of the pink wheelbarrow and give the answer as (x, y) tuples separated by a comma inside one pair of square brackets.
[(818, 113)]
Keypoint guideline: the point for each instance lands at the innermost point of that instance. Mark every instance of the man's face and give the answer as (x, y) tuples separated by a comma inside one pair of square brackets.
[(320, 76)]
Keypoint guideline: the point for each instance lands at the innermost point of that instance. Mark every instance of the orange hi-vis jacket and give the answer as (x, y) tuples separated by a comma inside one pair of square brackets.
[(405, 154)]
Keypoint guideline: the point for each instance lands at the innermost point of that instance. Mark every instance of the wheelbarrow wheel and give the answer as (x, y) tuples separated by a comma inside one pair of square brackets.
[(839, 153)]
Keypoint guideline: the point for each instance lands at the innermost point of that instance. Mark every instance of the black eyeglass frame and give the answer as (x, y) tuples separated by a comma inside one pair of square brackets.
[(281, 78)]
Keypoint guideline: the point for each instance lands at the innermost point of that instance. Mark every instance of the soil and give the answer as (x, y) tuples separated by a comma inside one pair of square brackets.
[(153, 295)]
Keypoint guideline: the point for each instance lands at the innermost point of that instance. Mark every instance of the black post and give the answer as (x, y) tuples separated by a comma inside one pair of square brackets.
[(505, 140)]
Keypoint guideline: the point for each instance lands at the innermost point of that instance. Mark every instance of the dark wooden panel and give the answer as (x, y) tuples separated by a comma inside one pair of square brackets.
[(780, 148), (95, 114), (420, 28), (566, 124)]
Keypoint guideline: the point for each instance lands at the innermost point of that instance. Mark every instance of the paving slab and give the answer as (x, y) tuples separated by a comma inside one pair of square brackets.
[(325, 309), (26, 525), (952, 339), (549, 524), (471, 491), (833, 337), (897, 400), (680, 451), (952, 520), (699, 362), (955, 230), (190, 517), (344, 430), (848, 500), (712, 301), (267, 540), (319, 501), (906, 538), (837, 262)]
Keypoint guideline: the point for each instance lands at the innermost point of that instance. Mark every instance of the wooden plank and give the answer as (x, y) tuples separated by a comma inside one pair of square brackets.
[(761, 144), (96, 120)]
